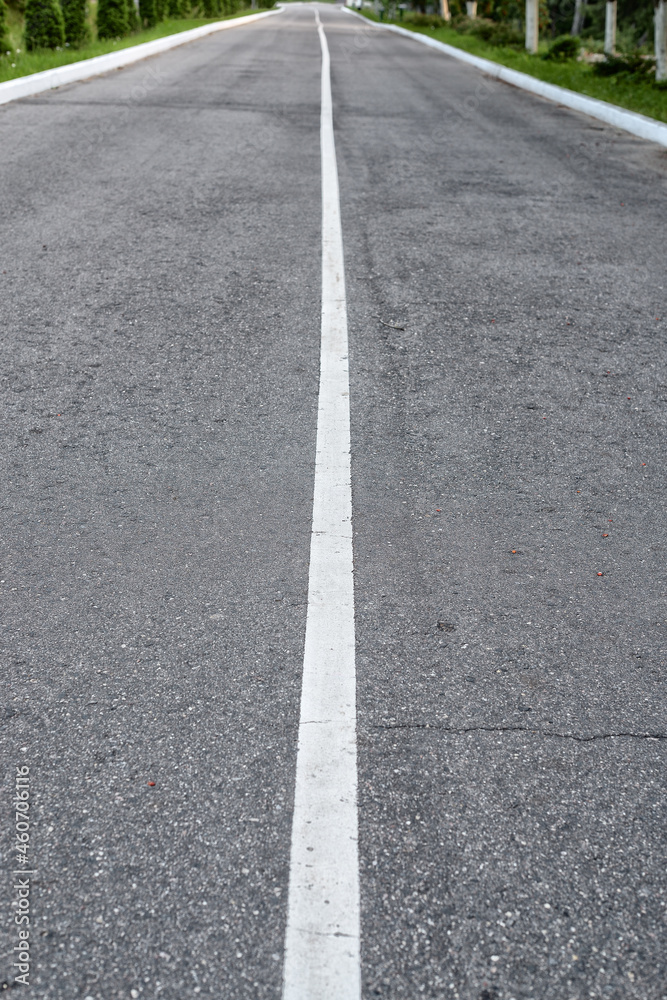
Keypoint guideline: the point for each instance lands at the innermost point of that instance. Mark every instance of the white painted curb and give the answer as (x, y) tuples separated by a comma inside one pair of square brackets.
[(37, 83), (629, 121)]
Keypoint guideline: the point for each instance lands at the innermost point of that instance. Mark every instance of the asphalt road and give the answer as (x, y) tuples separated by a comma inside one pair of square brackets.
[(160, 312)]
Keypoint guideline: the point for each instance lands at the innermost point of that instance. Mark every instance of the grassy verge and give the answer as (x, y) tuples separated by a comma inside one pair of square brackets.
[(643, 97), (22, 63)]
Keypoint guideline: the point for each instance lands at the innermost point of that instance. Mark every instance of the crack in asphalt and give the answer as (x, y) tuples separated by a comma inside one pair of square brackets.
[(525, 729)]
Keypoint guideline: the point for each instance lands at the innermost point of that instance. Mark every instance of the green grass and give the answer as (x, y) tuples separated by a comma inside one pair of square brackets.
[(22, 63), (643, 97)]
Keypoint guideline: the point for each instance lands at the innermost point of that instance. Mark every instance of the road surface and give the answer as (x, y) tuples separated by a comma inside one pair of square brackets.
[(160, 259)]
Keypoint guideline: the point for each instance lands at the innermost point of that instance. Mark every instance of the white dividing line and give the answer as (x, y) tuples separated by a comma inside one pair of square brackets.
[(322, 939)]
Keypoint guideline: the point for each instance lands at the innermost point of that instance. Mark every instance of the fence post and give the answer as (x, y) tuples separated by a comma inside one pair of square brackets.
[(532, 25), (661, 40), (610, 27), (579, 15)]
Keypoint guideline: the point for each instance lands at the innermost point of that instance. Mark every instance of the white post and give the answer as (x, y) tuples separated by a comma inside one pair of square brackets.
[(579, 14), (471, 8), (532, 25), (444, 10), (610, 27), (661, 40)]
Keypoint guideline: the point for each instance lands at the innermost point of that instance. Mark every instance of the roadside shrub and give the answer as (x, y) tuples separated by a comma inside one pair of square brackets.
[(210, 8), (632, 65), (564, 48), (482, 28), (111, 18), (147, 13), (424, 20), (506, 34), (44, 25), (131, 15), (77, 31), (493, 32), (161, 9), (461, 24)]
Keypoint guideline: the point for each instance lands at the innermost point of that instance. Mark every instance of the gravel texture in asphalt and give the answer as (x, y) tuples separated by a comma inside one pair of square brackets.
[(160, 315), (506, 278)]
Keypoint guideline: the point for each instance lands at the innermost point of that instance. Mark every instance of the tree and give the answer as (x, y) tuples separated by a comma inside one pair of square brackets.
[(111, 18), (76, 21), (131, 15), (148, 13), (44, 25), (579, 15), (543, 16), (4, 39)]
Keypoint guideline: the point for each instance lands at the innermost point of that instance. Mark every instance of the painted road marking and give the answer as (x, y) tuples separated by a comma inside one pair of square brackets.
[(322, 938)]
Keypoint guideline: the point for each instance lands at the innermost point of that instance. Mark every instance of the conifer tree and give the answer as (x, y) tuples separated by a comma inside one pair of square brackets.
[(111, 18), (4, 38), (178, 8), (76, 21), (132, 16), (147, 13), (44, 26)]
